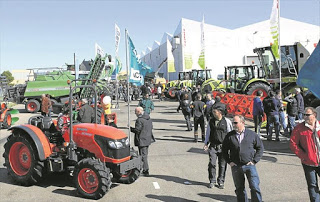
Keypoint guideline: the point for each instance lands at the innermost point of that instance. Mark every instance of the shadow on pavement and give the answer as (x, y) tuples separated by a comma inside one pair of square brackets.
[(197, 150), (179, 180), (167, 121), (166, 129), (277, 147), (167, 198), (219, 197)]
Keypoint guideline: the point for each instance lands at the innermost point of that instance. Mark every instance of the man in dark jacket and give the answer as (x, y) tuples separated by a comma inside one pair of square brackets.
[(242, 149), (292, 111), (143, 136), (217, 129), (300, 103), (271, 107), (86, 113), (198, 117)]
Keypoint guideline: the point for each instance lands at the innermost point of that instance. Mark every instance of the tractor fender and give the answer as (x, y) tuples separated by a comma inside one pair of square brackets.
[(3, 114), (254, 81), (39, 138)]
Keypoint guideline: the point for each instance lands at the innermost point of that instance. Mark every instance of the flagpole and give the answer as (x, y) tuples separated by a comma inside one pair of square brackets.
[(279, 46), (128, 72), (116, 65)]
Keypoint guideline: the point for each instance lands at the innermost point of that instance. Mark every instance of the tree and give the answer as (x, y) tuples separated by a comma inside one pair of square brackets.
[(8, 75)]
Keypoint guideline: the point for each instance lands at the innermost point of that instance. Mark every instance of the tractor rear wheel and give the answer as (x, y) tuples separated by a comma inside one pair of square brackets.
[(130, 176), (32, 106), (255, 87), (7, 120), (22, 161), (92, 178)]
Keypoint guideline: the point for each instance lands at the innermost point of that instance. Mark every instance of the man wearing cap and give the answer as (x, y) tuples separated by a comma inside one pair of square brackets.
[(217, 129)]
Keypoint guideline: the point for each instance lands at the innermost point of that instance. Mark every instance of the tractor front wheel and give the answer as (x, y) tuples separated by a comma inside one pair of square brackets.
[(130, 176), (32, 106), (22, 161), (7, 120), (92, 178), (255, 87)]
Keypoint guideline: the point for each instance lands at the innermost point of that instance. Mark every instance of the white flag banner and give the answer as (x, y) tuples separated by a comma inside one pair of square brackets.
[(98, 50), (117, 37), (274, 26)]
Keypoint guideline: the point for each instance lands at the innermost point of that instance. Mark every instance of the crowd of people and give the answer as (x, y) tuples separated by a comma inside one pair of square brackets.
[(228, 140)]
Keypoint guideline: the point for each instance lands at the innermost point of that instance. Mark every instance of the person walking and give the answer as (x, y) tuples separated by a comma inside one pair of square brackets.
[(257, 112), (282, 118), (292, 111), (45, 105), (305, 143), (243, 149), (271, 107), (86, 112), (186, 110), (209, 103), (143, 136), (198, 117), (217, 129), (159, 92), (300, 103), (146, 104)]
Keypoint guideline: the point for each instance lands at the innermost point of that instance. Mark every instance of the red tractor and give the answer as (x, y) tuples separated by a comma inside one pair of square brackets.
[(5, 116), (92, 153)]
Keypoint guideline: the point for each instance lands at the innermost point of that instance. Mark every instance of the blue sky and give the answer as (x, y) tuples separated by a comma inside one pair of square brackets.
[(47, 33)]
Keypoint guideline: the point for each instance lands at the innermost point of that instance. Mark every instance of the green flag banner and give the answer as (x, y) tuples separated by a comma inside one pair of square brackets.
[(201, 60), (188, 61)]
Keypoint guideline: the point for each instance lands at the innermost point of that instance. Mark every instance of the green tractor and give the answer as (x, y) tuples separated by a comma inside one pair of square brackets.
[(248, 79), (45, 81), (185, 79)]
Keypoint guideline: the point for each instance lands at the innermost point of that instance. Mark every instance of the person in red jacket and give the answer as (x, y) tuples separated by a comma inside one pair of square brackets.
[(305, 143)]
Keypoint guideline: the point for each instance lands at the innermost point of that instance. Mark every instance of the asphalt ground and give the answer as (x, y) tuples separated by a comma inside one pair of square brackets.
[(178, 168)]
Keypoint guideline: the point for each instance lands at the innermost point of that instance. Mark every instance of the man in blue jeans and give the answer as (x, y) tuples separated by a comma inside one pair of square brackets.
[(272, 107), (305, 143), (242, 149)]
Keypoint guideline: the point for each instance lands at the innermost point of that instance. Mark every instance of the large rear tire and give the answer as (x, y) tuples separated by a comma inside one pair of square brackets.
[(22, 161), (92, 178), (32, 106), (255, 87), (7, 120)]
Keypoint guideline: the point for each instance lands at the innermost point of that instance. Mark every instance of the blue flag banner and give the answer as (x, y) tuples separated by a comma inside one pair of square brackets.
[(117, 67), (310, 73), (138, 69)]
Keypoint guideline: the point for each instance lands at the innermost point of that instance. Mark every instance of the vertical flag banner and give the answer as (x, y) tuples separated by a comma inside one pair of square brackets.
[(99, 50), (117, 37), (274, 26), (310, 73), (202, 60), (117, 67), (170, 61), (138, 69)]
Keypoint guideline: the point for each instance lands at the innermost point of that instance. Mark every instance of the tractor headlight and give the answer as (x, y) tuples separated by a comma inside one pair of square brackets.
[(112, 145), (118, 144)]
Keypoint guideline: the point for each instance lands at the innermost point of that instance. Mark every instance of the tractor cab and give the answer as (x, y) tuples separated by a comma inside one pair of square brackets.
[(199, 76), (293, 58), (237, 77)]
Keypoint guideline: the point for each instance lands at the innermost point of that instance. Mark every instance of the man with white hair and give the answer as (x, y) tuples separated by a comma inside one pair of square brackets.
[(143, 136), (86, 113)]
